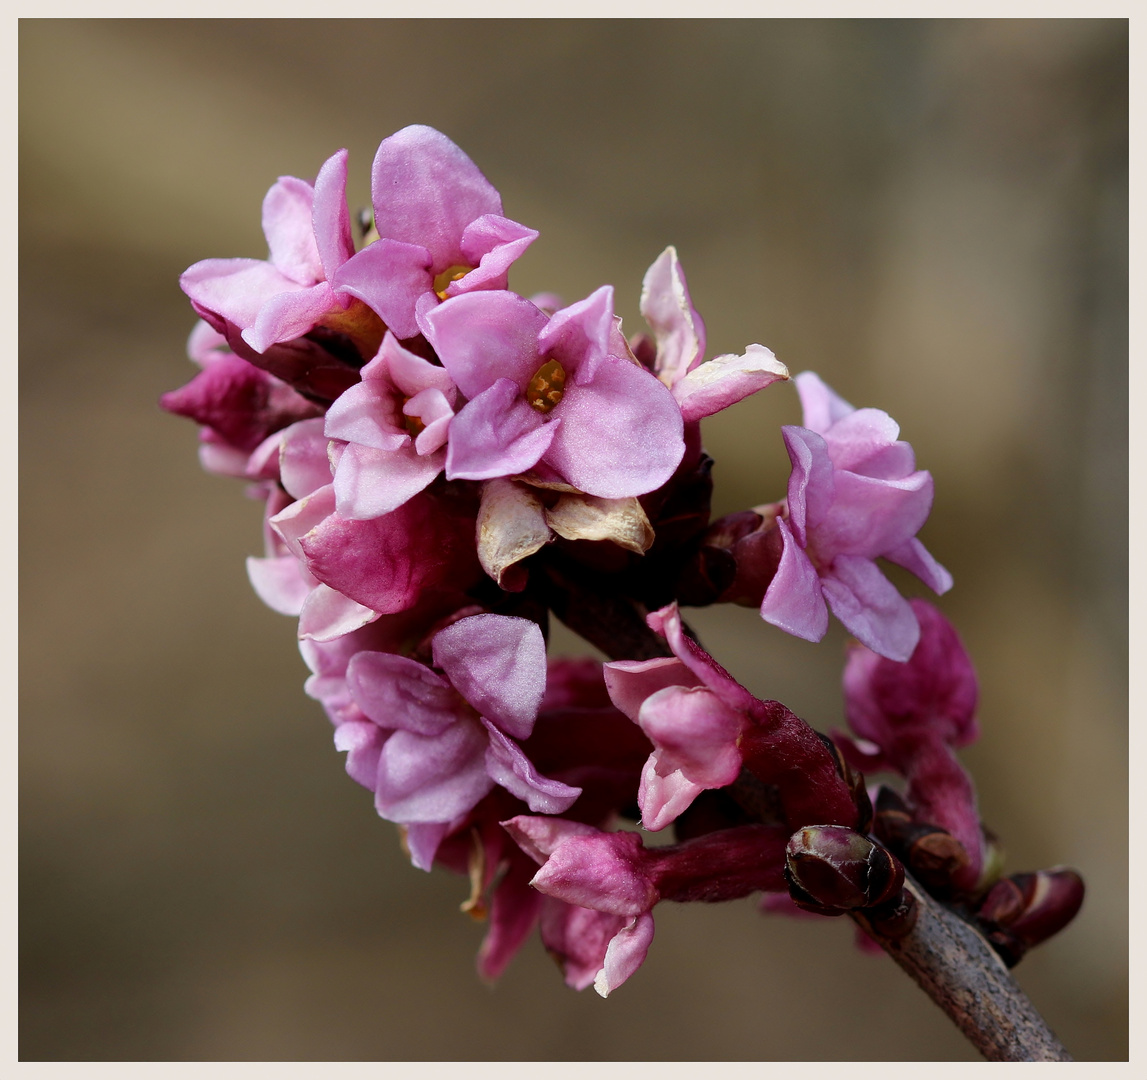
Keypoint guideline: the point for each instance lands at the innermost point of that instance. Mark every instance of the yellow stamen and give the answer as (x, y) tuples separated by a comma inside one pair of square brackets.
[(448, 276), (546, 386)]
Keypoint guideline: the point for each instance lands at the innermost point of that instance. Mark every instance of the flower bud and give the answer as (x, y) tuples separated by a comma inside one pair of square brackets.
[(832, 869), (1025, 909), (933, 854)]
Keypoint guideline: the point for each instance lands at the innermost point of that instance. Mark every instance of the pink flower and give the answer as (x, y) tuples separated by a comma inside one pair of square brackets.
[(705, 727), (395, 422), (854, 495), (267, 308), (916, 714), (558, 394), (455, 735), (614, 876), (440, 227), (700, 388)]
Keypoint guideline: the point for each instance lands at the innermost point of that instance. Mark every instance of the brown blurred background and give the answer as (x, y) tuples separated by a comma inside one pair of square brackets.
[(931, 214)]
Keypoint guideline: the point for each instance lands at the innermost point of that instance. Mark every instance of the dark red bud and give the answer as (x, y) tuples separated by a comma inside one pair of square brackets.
[(1025, 909), (855, 781), (932, 854), (831, 869)]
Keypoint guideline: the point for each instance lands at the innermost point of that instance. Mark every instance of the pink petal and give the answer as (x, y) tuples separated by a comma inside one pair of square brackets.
[(498, 664), (290, 315), (663, 796), (304, 466), (579, 336), (235, 289), (630, 682), (327, 614), (725, 380), (811, 482), (432, 778), (397, 692), (694, 732), (330, 217), (869, 517), (368, 413), (871, 609), (370, 483), (621, 434), (423, 838), (280, 583), (794, 600), (668, 309), (388, 277), (426, 191), (513, 913), (508, 766), (626, 953), (822, 406), (363, 742), (485, 336), (301, 517), (915, 557), (497, 434), (289, 229), (490, 244), (602, 871), (538, 837)]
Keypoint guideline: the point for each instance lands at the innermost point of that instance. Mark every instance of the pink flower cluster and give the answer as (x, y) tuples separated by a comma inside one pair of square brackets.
[(445, 463)]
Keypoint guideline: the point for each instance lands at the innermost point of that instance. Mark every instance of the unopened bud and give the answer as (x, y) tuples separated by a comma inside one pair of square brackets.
[(932, 854), (832, 869), (855, 781), (1025, 909)]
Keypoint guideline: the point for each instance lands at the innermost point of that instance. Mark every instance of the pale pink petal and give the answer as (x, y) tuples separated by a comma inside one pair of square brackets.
[(281, 583), (869, 517), (490, 244), (422, 840), (432, 778), (426, 191), (297, 520), (289, 229), (725, 380), (304, 465), (579, 336), (602, 871), (397, 692), (509, 766), (330, 217), (235, 289), (871, 609), (538, 837), (290, 315), (915, 557), (497, 434), (327, 614), (370, 483), (626, 953), (498, 664), (694, 732), (363, 742), (621, 434), (794, 600), (676, 326), (822, 406), (811, 482), (663, 797), (630, 682), (369, 413)]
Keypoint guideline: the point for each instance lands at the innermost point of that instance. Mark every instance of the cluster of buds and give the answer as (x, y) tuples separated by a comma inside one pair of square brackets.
[(446, 463)]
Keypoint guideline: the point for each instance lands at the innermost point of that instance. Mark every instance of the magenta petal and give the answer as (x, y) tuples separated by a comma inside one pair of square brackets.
[(626, 953), (289, 229), (602, 871), (363, 742), (794, 600), (860, 436), (915, 557), (514, 911), (663, 796), (289, 315), (578, 938), (498, 664), (822, 406), (370, 483), (432, 778), (490, 244), (422, 840), (811, 482), (871, 609), (485, 336), (538, 837), (630, 682), (302, 516), (497, 434), (695, 732), (426, 191), (368, 413), (397, 692), (330, 217), (327, 615), (621, 434), (508, 766), (388, 277)]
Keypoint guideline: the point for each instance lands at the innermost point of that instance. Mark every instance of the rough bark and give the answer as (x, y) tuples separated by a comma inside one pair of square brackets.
[(960, 972)]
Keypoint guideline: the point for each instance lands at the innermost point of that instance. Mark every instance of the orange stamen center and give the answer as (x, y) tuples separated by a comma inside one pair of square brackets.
[(448, 276), (546, 386)]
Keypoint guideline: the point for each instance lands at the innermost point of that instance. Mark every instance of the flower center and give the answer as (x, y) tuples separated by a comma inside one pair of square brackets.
[(448, 276), (413, 424), (546, 386)]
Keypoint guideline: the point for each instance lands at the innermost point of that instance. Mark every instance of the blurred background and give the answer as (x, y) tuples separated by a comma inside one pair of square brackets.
[(930, 214)]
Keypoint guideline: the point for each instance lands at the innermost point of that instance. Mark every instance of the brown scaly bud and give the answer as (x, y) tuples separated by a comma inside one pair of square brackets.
[(1025, 909), (831, 869), (932, 854)]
